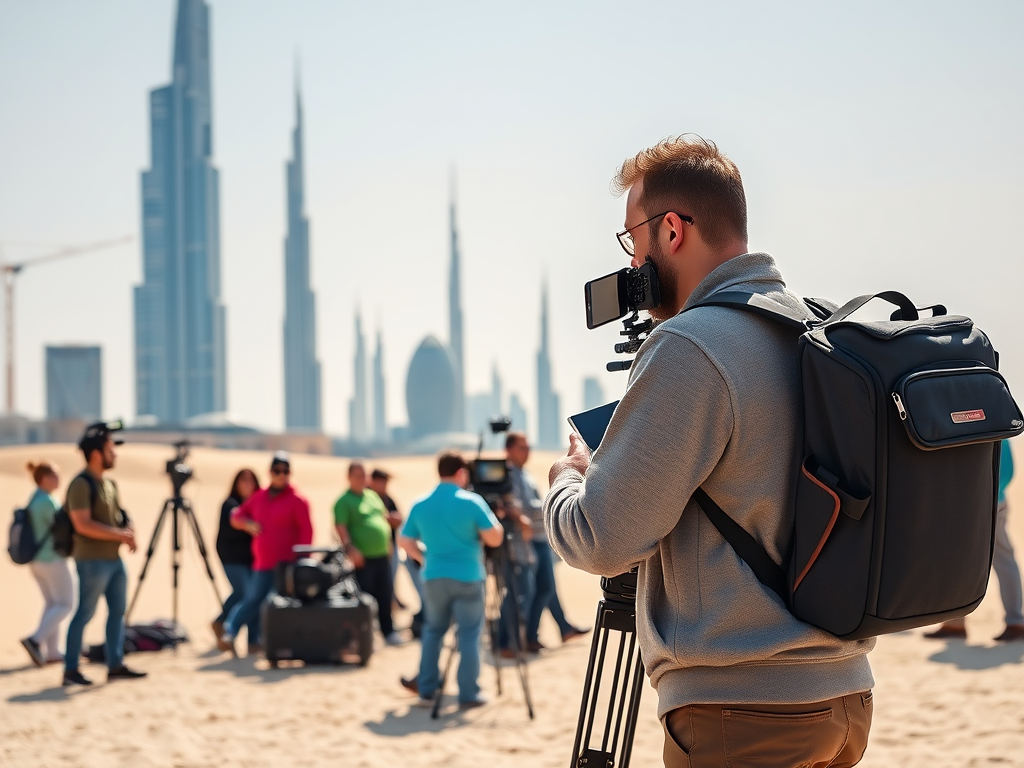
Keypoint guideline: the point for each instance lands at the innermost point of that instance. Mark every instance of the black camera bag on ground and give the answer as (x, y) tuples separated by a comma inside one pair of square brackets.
[(330, 630), (155, 636), (894, 523)]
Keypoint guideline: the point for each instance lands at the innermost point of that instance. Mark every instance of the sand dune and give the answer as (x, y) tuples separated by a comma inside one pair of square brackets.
[(936, 703)]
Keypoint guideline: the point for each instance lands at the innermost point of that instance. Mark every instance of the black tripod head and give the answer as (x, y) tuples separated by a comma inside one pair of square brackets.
[(179, 472)]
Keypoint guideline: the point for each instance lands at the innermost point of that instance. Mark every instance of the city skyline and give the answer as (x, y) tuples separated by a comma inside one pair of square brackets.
[(851, 179), (179, 319)]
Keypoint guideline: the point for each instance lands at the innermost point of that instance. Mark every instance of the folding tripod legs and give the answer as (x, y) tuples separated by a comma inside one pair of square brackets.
[(613, 713)]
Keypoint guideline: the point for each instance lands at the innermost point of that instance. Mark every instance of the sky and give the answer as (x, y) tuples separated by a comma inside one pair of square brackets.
[(880, 145)]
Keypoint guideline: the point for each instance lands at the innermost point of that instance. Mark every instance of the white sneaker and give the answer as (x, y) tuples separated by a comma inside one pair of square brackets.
[(394, 639)]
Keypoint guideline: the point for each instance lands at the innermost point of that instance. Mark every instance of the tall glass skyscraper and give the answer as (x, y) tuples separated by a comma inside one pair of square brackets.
[(548, 419), (179, 318), (301, 369), (455, 320)]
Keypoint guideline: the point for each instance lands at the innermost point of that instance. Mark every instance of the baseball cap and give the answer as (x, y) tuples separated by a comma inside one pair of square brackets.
[(380, 474), (281, 457), (96, 434)]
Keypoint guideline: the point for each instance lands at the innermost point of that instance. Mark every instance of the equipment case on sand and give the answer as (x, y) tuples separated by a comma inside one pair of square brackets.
[(332, 630)]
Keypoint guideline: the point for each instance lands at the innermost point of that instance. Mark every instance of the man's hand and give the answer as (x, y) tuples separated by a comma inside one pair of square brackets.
[(578, 458), (128, 537), (253, 528), (394, 520), (526, 527), (358, 561)]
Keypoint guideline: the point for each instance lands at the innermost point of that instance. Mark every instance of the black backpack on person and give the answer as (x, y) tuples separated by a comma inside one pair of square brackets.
[(894, 524), (63, 530), (21, 538)]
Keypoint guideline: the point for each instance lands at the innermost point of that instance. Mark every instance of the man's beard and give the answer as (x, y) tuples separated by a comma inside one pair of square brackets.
[(666, 281)]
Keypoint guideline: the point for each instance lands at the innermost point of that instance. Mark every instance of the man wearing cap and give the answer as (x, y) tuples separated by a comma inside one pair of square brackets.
[(361, 521), (277, 518), (100, 529)]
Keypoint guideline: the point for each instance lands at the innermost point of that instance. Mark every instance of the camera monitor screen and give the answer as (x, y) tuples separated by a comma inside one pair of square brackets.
[(490, 470), (606, 298), (591, 425)]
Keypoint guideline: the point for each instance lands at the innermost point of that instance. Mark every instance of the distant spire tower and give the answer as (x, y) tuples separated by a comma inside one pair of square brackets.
[(455, 318), (301, 368), (548, 422)]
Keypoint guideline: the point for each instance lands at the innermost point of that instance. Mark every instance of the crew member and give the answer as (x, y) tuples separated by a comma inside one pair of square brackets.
[(100, 530), (277, 518), (545, 595), (361, 520), (712, 402), (451, 522)]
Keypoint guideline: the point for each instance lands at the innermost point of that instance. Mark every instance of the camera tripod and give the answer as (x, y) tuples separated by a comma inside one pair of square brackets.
[(175, 508), (616, 612), (497, 560)]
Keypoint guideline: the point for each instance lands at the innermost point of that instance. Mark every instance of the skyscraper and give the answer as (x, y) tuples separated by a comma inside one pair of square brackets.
[(179, 318), (517, 413), (593, 393), (358, 432), (455, 321), (301, 368), (380, 424), (548, 422), (73, 383)]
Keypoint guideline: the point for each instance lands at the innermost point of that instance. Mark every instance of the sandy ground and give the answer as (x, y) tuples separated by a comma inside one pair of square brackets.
[(936, 703)]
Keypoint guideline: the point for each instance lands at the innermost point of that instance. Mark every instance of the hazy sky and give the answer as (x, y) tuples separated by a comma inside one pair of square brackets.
[(880, 144)]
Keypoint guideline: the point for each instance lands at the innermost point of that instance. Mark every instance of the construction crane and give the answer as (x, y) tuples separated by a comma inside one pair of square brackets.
[(11, 270)]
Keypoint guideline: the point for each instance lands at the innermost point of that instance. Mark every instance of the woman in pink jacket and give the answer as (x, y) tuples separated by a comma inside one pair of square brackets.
[(277, 518)]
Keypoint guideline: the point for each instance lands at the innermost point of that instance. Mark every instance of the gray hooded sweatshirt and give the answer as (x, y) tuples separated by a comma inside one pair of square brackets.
[(712, 402)]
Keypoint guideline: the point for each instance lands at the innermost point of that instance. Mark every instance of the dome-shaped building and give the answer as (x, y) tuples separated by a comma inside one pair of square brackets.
[(431, 397)]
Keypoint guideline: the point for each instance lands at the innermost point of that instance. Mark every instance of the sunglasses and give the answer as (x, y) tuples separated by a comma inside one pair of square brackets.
[(280, 471)]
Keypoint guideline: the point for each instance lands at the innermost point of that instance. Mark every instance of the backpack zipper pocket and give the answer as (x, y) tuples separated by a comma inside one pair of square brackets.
[(958, 404)]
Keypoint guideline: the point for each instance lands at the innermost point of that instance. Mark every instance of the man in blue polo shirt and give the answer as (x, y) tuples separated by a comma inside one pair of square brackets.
[(451, 523)]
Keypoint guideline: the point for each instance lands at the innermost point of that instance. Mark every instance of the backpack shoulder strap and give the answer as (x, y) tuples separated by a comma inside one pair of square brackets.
[(746, 546), (94, 491), (759, 305)]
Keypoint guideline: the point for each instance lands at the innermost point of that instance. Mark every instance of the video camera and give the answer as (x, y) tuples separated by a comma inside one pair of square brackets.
[(490, 477), (613, 296), (308, 579), (179, 472)]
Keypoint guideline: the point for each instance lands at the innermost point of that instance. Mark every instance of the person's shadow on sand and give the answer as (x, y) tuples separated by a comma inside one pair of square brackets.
[(57, 693), (249, 667), (416, 720), (979, 657)]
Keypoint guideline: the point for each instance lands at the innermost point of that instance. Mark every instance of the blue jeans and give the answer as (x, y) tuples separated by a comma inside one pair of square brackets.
[(106, 578), (247, 612), (523, 578), (238, 577), (463, 602), (545, 593)]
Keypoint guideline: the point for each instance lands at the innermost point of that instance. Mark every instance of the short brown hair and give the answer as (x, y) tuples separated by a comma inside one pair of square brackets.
[(354, 466), (689, 173), (514, 437), (450, 462)]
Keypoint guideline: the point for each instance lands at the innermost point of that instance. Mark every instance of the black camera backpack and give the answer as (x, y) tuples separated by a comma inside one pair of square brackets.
[(894, 522)]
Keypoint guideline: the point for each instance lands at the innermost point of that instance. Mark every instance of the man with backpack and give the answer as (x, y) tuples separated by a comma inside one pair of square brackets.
[(101, 527), (713, 403)]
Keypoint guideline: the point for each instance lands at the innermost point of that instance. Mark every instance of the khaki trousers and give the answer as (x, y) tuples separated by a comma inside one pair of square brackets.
[(831, 733)]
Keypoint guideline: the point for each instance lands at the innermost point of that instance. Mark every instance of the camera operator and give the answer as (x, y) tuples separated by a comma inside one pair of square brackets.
[(100, 530), (277, 518), (545, 595), (451, 522), (712, 402)]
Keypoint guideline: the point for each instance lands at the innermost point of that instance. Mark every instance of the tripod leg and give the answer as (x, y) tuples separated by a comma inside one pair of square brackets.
[(494, 614), (149, 556), (194, 525), (439, 693), (514, 627), (623, 700)]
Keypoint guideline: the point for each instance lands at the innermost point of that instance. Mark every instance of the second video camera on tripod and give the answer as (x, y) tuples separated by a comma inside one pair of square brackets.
[(308, 579), (179, 472)]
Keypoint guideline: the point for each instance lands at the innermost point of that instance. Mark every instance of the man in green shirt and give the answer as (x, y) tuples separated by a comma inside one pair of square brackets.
[(100, 530), (363, 527)]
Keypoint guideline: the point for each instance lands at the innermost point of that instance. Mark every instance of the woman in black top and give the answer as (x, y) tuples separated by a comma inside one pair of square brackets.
[(234, 547)]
